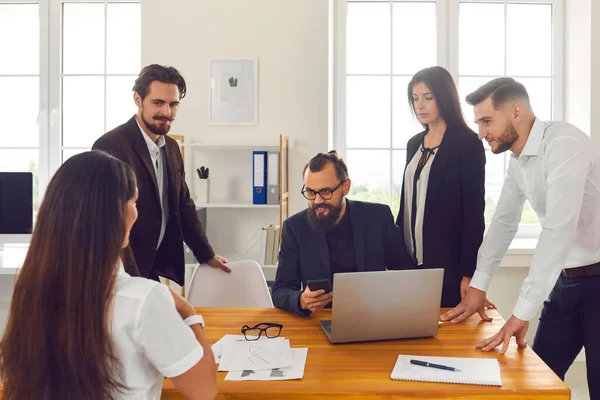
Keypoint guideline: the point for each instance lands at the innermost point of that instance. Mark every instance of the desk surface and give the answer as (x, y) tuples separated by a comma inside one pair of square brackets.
[(362, 371)]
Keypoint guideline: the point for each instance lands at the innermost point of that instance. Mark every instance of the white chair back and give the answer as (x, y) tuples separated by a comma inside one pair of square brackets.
[(244, 287)]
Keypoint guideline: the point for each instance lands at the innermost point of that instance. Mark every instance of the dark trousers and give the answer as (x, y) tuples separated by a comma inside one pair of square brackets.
[(570, 321), (450, 289), (450, 295)]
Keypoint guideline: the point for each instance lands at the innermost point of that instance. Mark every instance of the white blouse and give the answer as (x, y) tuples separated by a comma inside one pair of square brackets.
[(150, 338), (421, 188)]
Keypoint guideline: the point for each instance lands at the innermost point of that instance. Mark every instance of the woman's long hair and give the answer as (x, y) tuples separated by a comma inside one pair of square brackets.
[(57, 343), (443, 88)]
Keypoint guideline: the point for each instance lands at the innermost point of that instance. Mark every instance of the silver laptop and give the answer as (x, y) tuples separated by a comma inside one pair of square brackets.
[(383, 305)]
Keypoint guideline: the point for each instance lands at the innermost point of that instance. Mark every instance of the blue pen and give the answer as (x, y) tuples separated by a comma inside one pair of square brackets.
[(432, 365)]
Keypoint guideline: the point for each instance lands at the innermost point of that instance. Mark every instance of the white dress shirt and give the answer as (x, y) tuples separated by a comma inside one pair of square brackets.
[(157, 155), (558, 172), (421, 188), (150, 338)]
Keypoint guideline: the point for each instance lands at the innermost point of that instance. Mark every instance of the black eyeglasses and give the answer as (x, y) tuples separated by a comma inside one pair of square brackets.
[(326, 194), (270, 329)]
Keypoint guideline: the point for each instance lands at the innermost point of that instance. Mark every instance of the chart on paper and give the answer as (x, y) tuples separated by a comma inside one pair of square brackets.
[(296, 371), (256, 355)]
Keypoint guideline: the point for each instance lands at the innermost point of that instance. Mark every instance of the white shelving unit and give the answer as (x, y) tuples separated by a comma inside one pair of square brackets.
[(235, 199)]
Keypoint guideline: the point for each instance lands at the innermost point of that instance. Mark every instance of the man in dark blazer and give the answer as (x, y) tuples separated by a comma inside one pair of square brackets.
[(333, 235), (167, 214)]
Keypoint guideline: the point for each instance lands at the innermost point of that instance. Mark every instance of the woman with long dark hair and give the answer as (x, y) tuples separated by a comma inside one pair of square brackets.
[(79, 326), (443, 192)]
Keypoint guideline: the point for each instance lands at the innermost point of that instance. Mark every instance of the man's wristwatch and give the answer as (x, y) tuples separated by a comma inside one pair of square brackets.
[(194, 319)]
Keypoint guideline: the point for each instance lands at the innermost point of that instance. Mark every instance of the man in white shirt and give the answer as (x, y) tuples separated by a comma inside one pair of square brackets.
[(556, 167)]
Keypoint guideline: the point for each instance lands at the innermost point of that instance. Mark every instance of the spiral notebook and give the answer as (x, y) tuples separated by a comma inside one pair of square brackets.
[(473, 371)]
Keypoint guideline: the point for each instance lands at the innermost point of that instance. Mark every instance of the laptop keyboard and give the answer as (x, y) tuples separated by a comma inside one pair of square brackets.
[(326, 327)]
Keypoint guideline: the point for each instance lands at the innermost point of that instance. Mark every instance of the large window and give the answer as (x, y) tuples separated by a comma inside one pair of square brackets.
[(379, 45), (100, 61), (66, 78), (20, 89)]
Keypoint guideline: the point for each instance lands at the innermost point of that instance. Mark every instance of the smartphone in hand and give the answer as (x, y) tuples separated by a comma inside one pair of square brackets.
[(317, 284)]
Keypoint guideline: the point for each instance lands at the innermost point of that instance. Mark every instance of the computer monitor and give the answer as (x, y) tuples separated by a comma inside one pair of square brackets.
[(16, 203)]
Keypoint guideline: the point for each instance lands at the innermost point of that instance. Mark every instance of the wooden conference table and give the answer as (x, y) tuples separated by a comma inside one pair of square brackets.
[(362, 370)]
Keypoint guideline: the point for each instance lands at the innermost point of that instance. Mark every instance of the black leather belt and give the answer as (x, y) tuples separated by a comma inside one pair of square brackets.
[(588, 270)]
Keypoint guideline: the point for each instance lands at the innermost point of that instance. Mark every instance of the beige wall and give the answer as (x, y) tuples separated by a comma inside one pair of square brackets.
[(290, 38), (578, 46), (594, 15)]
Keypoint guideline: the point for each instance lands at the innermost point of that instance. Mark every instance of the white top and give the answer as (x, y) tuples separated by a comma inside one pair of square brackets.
[(421, 187), (150, 338), (157, 155), (558, 172)]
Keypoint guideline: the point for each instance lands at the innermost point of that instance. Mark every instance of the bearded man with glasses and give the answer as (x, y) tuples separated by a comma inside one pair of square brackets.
[(333, 235)]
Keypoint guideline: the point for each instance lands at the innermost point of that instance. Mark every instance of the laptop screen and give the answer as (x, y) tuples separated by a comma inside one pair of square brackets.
[(16, 202)]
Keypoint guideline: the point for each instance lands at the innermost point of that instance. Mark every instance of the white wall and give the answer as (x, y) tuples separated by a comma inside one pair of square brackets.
[(578, 46), (290, 38), (582, 63), (595, 70)]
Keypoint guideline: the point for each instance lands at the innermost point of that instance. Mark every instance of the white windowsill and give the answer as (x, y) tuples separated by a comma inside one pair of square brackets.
[(519, 253)]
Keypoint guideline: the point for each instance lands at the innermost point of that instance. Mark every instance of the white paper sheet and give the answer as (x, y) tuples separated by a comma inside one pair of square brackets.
[(296, 371), (217, 348), (473, 371), (256, 355)]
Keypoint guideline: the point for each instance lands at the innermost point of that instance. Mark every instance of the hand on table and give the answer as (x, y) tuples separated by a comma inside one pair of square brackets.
[(473, 302), (464, 288), (513, 327)]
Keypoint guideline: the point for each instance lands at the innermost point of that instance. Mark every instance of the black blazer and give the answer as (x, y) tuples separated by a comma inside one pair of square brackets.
[(141, 256), (304, 254), (453, 221)]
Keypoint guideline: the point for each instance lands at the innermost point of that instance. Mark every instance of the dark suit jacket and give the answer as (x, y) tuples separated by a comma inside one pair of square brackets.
[(141, 256), (304, 254), (453, 222)]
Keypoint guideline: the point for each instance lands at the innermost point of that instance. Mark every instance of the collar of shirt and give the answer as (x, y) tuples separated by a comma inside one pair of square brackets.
[(532, 146), (152, 147), (121, 268)]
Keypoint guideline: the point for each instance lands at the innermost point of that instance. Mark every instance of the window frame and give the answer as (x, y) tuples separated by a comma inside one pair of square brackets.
[(50, 84), (447, 15), (55, 146), (43, 133)]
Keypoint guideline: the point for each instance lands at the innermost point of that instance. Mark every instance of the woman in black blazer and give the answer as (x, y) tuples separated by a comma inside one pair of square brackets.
[(443, 191)]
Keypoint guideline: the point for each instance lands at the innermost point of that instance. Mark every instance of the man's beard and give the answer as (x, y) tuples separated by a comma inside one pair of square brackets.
[(157, 129), (325, 223), (506, 140)]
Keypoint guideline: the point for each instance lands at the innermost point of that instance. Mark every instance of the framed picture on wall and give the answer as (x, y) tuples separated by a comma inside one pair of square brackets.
[(233, 92)]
